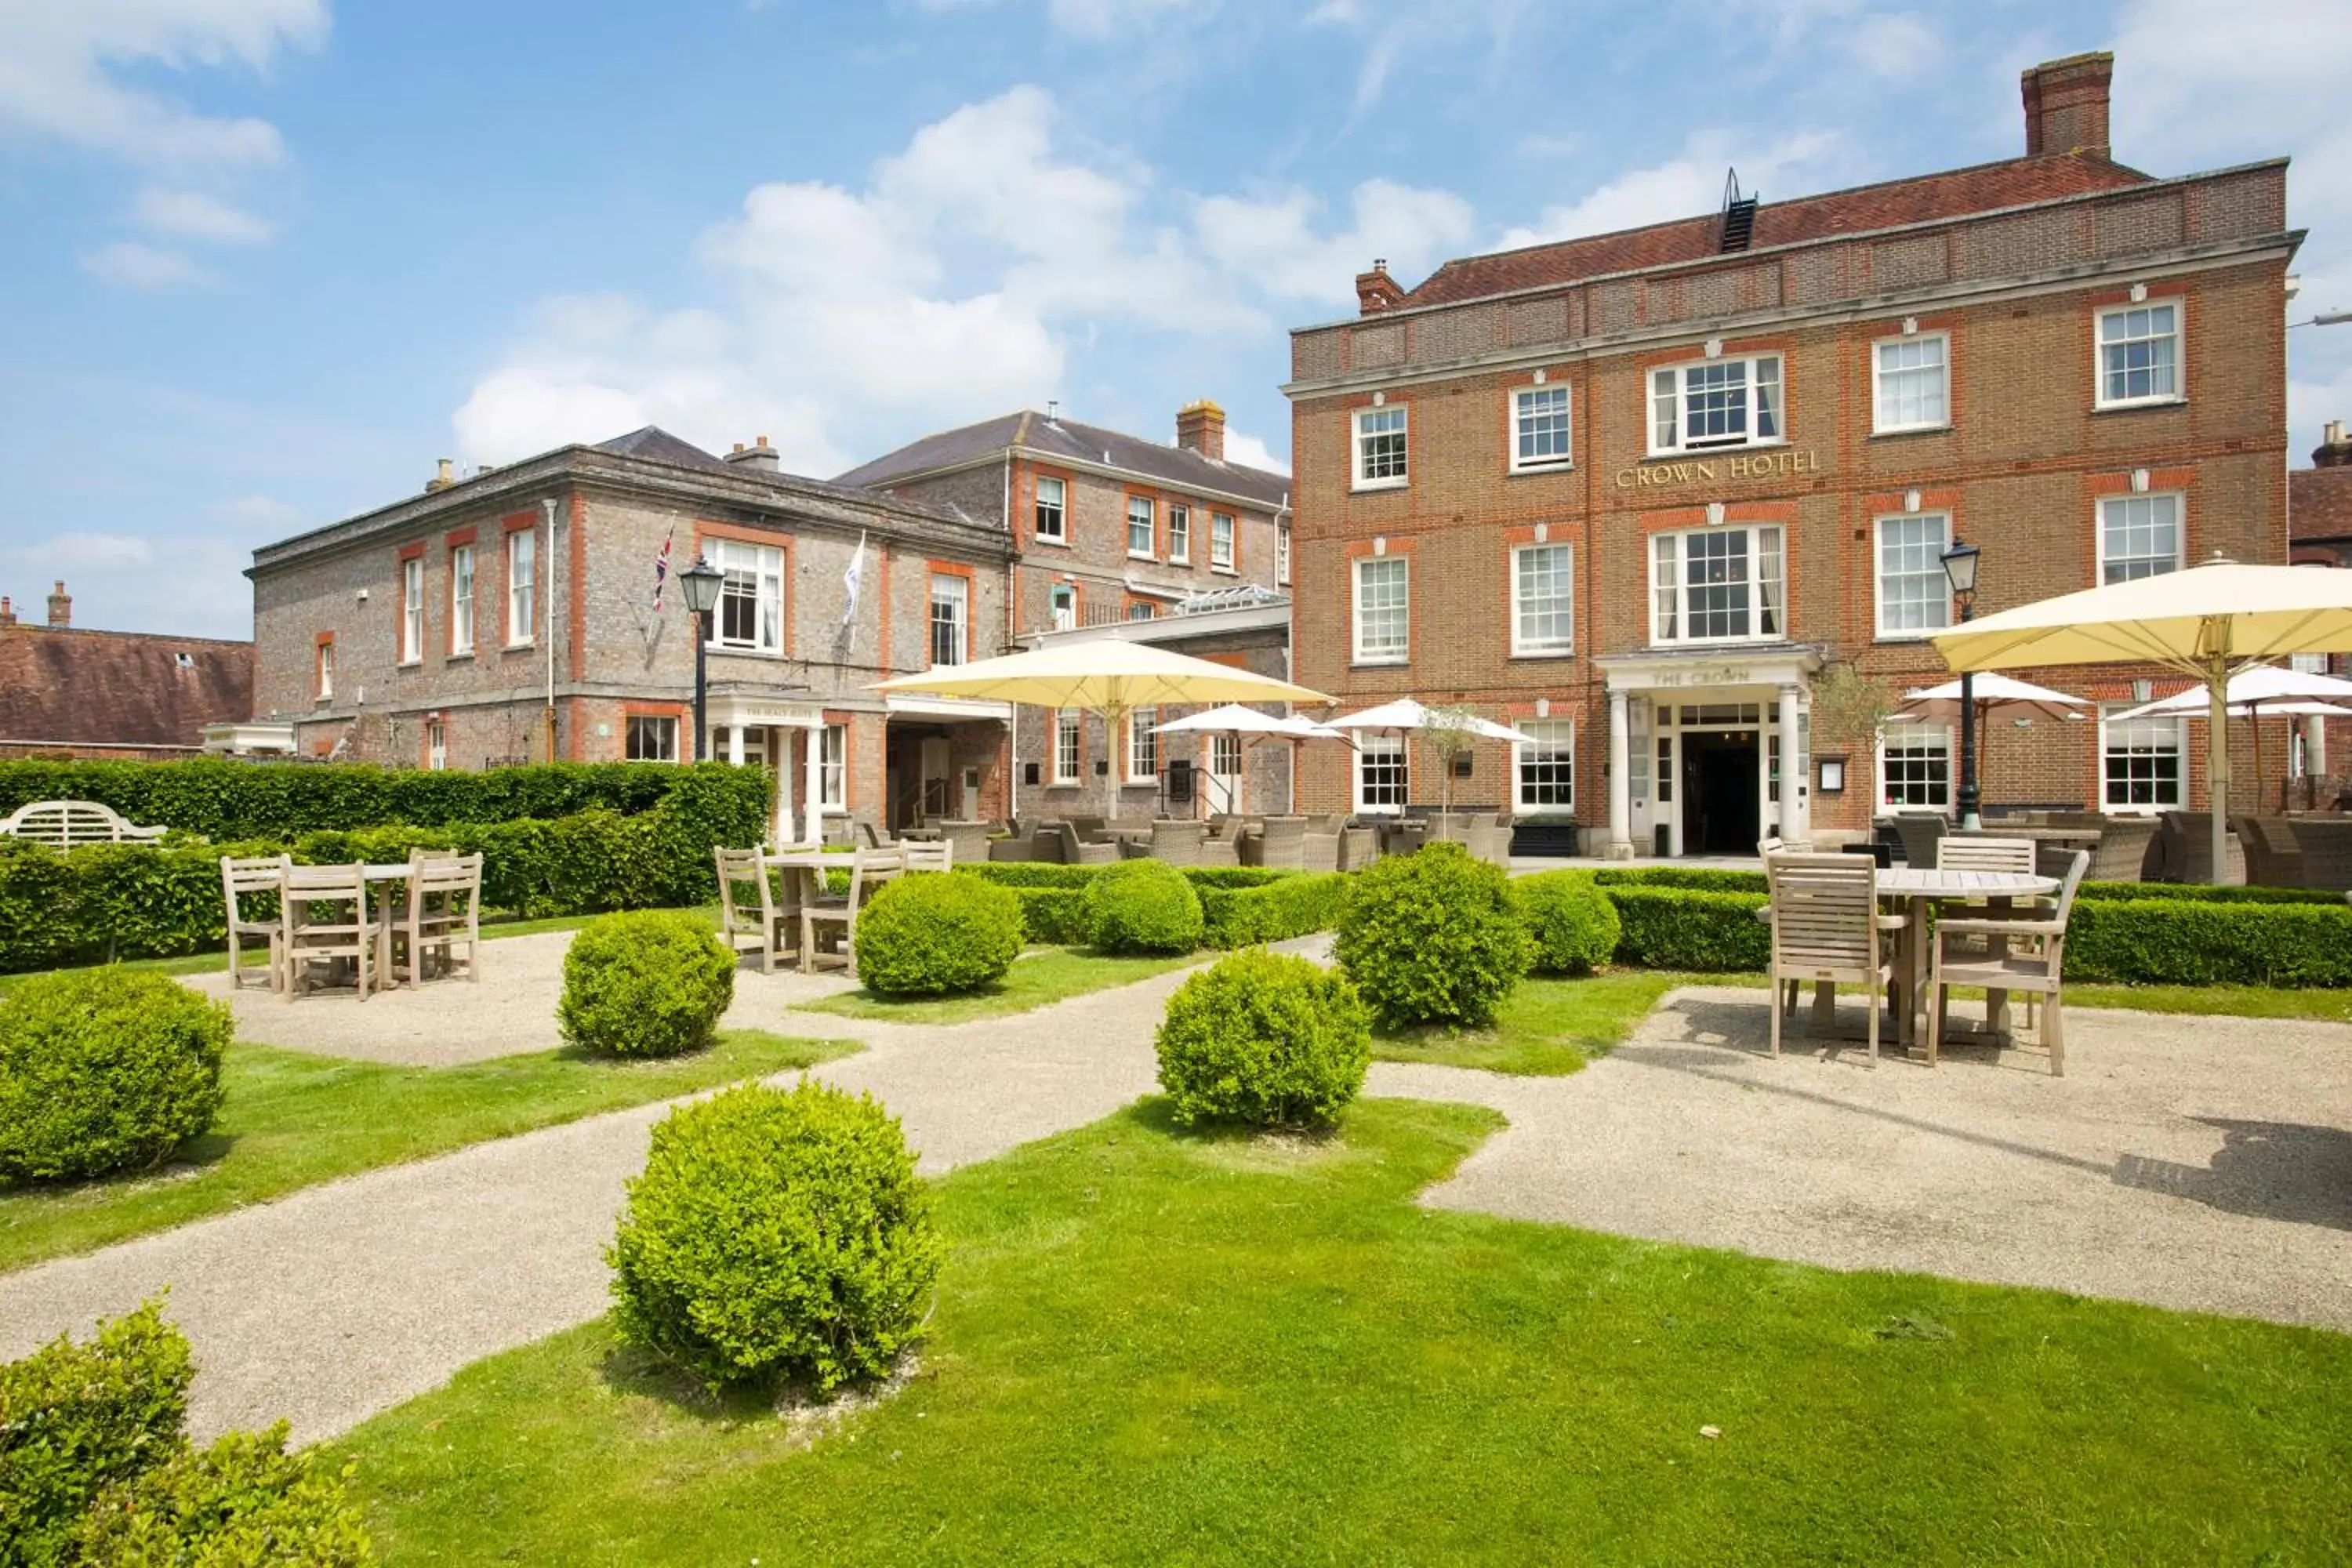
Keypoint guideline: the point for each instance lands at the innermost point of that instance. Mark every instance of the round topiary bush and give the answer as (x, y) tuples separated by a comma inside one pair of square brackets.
[(1571, 922), (1264, 1038), (105, 1070), (1143, 905), (1433, 938), (776, 1234), (645, 984), (927, 934)]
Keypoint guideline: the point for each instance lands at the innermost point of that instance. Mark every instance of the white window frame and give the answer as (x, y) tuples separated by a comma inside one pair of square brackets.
[(1659, 585), (1282, 555), (2123, 504), (436, 745), (461, 601), (1950, 785), (1069, 743), (522, 586), (760, 568), (1555, 746), (1063, 620), (1060, 506), (833, 768), (656, 724), (1401, 652), (1522, 645), (958, 604), (1142, 746), (1151, 520), (323, 670), (1879, 576), (1521, 398), (1394, 420), (412, 610), (1881, 423), (1383, 747), (1223, 535), (2178, 391), (2179, 728), (1180, 533), (1759, 405)]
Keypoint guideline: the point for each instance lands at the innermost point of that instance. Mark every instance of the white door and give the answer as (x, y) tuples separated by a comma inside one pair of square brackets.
[(1225, 775), (937, 773), (971, 796)]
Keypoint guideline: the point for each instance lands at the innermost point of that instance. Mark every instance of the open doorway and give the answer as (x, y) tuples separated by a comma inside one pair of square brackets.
[(1720, 798)]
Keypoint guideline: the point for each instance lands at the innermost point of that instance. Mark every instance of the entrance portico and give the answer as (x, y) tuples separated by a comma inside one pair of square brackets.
[(747, 726), (1699, 742)]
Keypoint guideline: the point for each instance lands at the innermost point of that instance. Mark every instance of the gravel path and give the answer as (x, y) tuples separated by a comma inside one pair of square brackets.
[(343, 1300), (2201, 1163)]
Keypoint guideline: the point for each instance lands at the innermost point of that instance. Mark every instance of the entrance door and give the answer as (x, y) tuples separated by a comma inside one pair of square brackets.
[(937, 775), (1721, 797), (1225, 775)]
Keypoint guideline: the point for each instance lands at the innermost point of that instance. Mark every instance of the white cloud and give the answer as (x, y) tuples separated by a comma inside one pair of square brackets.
[(127, 264), (1687, 186), (62, 72), (94, 552), (254, 512), (1251, 452), (1273, 242), (1890, 44), (193, 214)]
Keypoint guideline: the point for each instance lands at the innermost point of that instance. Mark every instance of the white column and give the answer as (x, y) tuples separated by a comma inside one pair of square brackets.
[(780, 768), (2315, 744), (1789, 828), (1621, 780), (812, 780), (735, 744)]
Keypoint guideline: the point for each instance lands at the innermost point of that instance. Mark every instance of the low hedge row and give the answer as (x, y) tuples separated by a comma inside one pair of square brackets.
[(225, 800), (1689, 928), (1713, 879), (1241, 906)]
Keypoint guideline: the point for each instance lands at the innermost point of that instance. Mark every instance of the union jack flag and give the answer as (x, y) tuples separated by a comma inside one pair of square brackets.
[(661, 566)]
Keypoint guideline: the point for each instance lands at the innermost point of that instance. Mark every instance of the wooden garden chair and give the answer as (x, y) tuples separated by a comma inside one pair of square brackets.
[(2028, 956), (869, 869), (443, 912), (1826, 928), (344, 931), (751, 916), (929, 854), (241, 879)]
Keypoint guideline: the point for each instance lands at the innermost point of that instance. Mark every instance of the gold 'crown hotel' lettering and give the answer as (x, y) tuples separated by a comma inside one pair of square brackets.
[(1732, 466)]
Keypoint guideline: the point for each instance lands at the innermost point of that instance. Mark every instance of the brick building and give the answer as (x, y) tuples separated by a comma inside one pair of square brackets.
[(1636, 492), (511, 616), (67, 692), (2319, 503), (1112, 529)]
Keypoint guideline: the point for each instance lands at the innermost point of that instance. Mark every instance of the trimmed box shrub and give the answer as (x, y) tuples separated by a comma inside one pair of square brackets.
[(1287, 904), (1266, 1039), (647, 983), (1055, 915), (1688, 928), (104, 1070), (776, 1234), (1142, 906), (1572, 923), (1433, 937), (929, 933), (245, 1499)]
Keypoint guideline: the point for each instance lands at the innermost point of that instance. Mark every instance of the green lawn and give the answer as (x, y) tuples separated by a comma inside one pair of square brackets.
[(292, 1120), (1153, 1347), (1548, 1027), (1042, 975)]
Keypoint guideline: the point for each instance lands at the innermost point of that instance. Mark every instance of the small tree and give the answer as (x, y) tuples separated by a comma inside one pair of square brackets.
[(1448, 734), (1849, 706)]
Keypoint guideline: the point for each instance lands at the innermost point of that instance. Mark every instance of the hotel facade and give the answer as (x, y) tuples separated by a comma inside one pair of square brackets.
[(1637, 493)]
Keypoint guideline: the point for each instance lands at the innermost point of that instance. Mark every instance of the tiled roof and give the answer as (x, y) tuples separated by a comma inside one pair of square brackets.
[(1926, 198), (1175, 466), (118, 688), (659, 445), (2319, 503)]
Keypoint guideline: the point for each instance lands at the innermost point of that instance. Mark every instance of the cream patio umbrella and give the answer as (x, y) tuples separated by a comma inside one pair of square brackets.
[(2208, 623), (1234, 720), (1406, 713), (1997, 696), (2264, 691)]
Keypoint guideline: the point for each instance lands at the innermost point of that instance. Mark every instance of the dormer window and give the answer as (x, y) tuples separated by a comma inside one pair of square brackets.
[(1715, 403)]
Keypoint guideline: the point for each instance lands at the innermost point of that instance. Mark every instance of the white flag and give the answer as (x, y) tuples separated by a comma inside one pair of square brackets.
[(850, 581)]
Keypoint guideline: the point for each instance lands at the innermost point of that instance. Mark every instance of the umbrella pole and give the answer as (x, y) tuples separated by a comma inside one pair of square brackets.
[(2217, 690), (2254, 718)]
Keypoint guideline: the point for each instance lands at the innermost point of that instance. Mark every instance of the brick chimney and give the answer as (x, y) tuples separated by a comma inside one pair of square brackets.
[(2333, 451), (2066, 105), (444, 476), (1201, 427), (758, 458), (8, 612), (60, 607), (1376, 290)]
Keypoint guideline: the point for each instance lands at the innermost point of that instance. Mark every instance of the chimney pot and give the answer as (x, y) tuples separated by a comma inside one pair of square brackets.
[(8, 612), (761, 440), (443, 477), (2334, 451), (1376, 290), (60, 607), (2066, 105), (1201, 427)]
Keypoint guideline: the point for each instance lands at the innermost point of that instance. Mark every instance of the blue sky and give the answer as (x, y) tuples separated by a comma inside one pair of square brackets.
[(262, 261)]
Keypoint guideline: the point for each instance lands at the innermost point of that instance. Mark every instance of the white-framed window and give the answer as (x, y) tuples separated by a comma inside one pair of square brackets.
[(412, 610), (1062, 604), (1065, 745), (1713, 403), (2139, 355), (1380, 779), (1914, 598), (1383, 615), (1545, 765), (1053, 510), (1142, 525), (2141, 763), (1140, 610), (2307, 663), (1282, 555), (461, 600), (436, 745), (1380, 448), (1180, 533), (1716, 584), (1543, 599), (1142, 745), (1221, 541), (833, 768), (323, 667), (750, 614), (1911, 383), (951, 618), (1539, 428), (650, 738), (522, 585), (2139, 536), (1915, 767)]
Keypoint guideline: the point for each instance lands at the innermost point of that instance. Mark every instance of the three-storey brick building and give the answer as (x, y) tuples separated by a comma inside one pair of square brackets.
[(1637, 491)]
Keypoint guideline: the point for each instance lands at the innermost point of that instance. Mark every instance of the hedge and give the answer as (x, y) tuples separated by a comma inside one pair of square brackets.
[(1689, 928), (1241, 906)]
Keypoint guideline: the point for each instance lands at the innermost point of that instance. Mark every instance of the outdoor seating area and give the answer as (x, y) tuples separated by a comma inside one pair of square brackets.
[(777, 905), (360, 926), (69, 824)]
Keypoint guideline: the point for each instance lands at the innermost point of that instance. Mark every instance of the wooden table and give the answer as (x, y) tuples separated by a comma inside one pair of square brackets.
[(1920, 886)]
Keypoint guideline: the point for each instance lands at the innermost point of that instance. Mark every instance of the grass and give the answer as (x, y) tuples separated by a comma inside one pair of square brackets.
[(1041, 976), (1155, 1348), (1547, 1028), (292, 1120)]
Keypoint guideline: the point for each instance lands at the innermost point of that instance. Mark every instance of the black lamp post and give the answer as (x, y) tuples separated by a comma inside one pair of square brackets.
[(702, 583), (1961, 571)]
